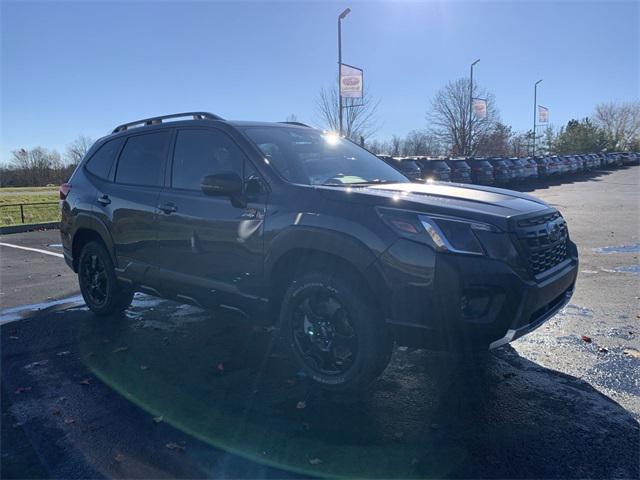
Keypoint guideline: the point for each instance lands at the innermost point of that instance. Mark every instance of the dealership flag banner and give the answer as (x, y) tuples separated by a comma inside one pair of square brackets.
[(480, 107), (543, 114), (350, 81)]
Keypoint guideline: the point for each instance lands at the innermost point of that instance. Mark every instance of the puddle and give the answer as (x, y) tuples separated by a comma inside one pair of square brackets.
[(635, 248), (623, 269), (572, 309), (24, 311)]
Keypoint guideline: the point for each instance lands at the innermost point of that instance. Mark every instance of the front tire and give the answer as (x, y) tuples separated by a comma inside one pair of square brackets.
[(101, 290), (334, 331)]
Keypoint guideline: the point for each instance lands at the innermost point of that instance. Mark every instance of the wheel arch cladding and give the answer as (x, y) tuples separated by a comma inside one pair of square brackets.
[(299, 260), (89, 229)]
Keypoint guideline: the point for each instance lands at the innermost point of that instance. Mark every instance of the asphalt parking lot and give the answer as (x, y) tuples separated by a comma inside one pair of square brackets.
[(168, 390)]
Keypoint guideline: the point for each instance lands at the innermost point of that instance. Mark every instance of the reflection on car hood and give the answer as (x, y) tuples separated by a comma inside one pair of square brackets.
[(470, 201)]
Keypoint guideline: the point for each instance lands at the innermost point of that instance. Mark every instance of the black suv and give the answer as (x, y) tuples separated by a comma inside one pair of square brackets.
[(309, 231)]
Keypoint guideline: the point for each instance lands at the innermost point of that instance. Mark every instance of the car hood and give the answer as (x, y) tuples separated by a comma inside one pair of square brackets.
[(493, 205)]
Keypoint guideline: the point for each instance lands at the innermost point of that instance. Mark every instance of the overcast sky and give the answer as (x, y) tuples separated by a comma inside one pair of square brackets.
[(84, 67)]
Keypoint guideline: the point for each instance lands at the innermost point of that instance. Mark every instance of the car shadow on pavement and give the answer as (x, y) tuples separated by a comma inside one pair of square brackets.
[(226, 382)]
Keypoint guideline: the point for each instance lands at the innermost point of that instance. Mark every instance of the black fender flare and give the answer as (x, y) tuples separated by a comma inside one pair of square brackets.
[(335, 243), (86, 221)]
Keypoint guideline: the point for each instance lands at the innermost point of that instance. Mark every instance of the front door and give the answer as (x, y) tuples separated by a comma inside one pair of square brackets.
[(130, 202), (211, 248)]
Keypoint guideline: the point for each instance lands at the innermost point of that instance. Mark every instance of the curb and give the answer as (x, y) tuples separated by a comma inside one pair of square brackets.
[(29, 227)]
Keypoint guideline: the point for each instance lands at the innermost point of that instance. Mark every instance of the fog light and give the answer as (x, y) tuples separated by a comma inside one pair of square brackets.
[(475, 302)]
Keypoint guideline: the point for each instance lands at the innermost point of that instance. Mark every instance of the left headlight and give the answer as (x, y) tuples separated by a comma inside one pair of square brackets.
[(443, 233)]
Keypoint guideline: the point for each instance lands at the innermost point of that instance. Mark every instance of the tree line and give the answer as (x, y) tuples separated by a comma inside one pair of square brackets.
[(39, 167)]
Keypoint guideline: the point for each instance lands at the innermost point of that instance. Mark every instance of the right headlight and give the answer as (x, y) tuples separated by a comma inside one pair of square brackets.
[(443, 233)]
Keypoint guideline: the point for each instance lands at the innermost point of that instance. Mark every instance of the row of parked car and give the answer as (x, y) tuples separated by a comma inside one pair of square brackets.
[(502, 171)]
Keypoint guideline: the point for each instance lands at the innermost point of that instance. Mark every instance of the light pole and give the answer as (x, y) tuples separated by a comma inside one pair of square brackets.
[(340, 17), (471, 105), (535, 108)]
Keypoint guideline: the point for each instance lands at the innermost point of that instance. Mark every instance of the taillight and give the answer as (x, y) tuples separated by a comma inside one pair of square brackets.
[(65, 188)]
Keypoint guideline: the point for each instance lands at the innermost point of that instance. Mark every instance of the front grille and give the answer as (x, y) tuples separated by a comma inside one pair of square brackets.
[(530, 222), (543, 241)]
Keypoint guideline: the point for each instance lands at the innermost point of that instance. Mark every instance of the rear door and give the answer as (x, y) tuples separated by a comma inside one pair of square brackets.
[(210, 248), (130, 202)]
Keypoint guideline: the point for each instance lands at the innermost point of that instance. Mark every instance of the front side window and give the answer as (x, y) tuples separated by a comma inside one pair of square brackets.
[(142, 159), (101, 162), (310, 157), (199, 153)]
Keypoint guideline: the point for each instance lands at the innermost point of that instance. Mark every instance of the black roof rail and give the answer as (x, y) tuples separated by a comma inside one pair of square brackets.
[(159, 119), (299, 124)]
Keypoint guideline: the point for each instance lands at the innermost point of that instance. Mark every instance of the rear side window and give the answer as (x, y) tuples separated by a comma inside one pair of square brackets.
[(142, 159), (101, 162), (199, 153)]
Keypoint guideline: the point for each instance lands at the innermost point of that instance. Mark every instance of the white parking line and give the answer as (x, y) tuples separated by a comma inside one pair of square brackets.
[(46, 252)]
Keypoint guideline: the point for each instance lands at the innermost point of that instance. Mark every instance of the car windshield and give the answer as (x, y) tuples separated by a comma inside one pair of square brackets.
[(311, 157)]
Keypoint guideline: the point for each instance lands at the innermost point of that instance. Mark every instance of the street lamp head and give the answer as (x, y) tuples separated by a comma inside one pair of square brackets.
[(475, 62), (346, 12), (538, 81)]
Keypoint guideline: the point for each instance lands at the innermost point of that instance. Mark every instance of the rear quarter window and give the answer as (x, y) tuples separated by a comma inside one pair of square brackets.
[(101, 162)]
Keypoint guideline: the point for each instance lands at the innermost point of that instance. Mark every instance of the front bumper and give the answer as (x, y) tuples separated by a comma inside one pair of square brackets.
[(445, 300)]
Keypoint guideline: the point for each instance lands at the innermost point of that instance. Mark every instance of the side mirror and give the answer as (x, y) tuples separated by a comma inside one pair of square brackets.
[(228, 184)]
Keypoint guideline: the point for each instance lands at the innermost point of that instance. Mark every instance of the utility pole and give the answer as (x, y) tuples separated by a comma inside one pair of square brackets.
[(470, 107), (340, 17), (535, 113)]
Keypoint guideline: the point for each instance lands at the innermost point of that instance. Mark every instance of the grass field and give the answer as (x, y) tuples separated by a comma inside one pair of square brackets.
[(10, 215)]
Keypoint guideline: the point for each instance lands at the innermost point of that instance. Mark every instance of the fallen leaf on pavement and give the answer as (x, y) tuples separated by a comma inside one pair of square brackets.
[(632, 352), (86, 381), (20, 390), (315, 461), (301, 404), (586, 339), (36, 364), (175, 446), (120, 349), (220, 367), (69, 420), (65, 352)]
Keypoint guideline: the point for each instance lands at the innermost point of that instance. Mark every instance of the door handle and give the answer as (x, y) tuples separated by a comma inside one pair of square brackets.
[(168, 208), (104, 199)]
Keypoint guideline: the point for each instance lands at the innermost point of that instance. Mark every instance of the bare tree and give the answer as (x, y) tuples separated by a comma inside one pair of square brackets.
[(449, 116), (359, 114), (77, 149), (396, 146), (620, 122), (35, 167), (420, 142)]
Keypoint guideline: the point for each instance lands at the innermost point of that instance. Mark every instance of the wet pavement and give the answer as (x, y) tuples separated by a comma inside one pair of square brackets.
[(169, 390)]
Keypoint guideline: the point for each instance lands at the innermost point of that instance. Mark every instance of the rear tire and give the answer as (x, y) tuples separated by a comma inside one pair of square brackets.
[(334, 331), (101, 290)]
